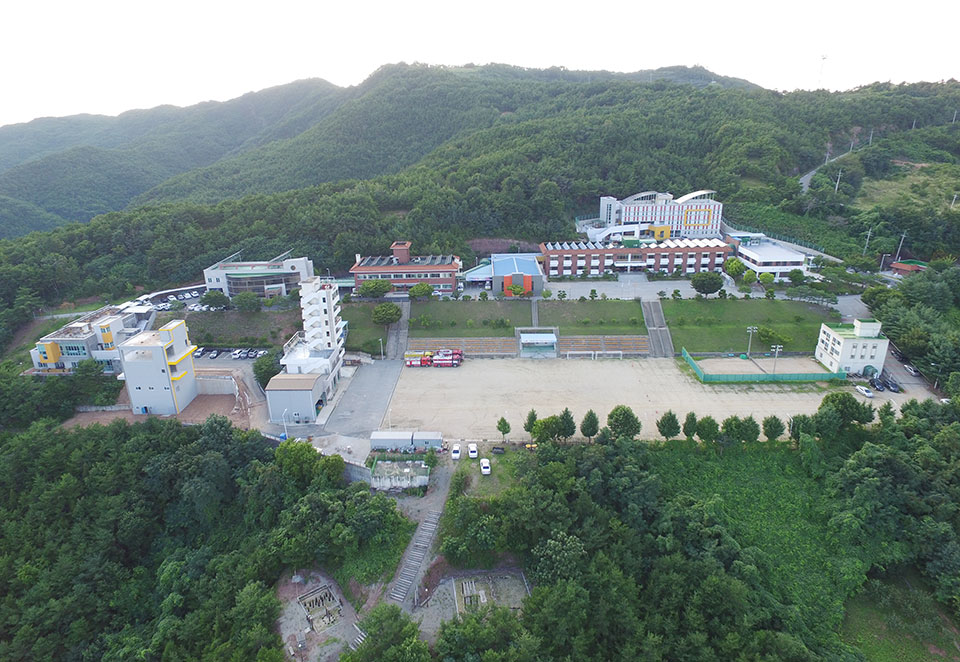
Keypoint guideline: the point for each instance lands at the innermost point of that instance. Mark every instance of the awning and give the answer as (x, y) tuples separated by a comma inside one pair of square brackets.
[(538, 339)]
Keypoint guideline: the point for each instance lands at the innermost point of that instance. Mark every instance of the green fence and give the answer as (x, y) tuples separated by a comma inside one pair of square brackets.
[(708, 378)]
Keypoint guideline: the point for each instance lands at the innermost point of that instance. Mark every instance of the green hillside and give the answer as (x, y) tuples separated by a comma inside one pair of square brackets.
[(18, 218)]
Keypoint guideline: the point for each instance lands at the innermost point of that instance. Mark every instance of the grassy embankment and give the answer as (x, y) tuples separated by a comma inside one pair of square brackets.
[(593, 318), (467, 319), (720, 325)]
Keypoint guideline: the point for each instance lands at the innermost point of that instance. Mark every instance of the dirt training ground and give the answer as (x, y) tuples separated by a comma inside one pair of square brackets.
[(465, 403)]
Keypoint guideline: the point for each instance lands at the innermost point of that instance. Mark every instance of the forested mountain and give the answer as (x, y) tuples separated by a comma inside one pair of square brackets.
[(78, 167)]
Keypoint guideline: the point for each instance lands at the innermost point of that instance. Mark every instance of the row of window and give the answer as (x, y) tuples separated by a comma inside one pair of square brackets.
[(403, 276)]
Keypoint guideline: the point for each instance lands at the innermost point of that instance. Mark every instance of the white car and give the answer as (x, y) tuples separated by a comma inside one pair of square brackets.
[(170, 297), (864, 391), (485, 466), (913, 371), (472, 451), (196, 295), (455, 452)]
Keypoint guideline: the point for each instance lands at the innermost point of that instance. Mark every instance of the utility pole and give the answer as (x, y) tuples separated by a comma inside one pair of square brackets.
[(954, 118), (750, 330), (837, 185), (851, 147), (776, 349), (897, 259), (914, 124), (954, 201), (882, 258), (867, 242), (871, 137), (826, 159)]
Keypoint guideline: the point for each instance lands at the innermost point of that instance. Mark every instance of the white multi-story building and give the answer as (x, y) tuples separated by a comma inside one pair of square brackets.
[(765, 256), (276, 277), (852, 348), (93, 336), (158, 369), (656, 216), (312, 358)]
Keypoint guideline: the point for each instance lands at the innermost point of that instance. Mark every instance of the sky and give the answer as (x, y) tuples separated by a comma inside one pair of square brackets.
[(107, 56)]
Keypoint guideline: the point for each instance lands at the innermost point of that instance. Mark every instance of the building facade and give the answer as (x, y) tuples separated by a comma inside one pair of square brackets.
[(763, 255), (657, 216), (158, 369), (312, 359), (404, 271), (94, 336), (276, 277), (595, 258), (852, 348)]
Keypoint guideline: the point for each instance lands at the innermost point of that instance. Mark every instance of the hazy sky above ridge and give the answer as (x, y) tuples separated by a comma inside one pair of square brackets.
[(107, 56)]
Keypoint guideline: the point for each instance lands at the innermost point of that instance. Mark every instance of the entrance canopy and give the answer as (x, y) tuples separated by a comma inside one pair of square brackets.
[(545, 339)]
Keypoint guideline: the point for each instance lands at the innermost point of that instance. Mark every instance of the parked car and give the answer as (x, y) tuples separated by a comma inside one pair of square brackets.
[(455, 452), (485, 466), (215, 353), (864, 391), (876, 384), (891, 385), (499, 450), (472, 451), (944, 401), (170, 297), (262, 352), (195, 294), (909, 368), (897, 354), (236, 353), (200, 350)]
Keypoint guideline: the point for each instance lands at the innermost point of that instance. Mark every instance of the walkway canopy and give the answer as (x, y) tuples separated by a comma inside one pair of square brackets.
[(538, 339)]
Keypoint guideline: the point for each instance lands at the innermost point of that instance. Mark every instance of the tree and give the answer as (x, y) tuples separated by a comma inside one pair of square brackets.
[(266, 366), (749, 277), (386, 314), (593, 295), (297, 460), (590, 424), (796, 277), (546, 429), (623, 422), (420, 290), (561, 295), (707, 429), (397, 638), (483, 296), (246, 302), (177, 305), (374, 289), (215, 299), (568, 427), (516, 290), (734, 267), (707, 282), (676, 295), (749, 430), (731, 428), (661, 294), (530, 421), (546, 294), (770, 294), (431, 459), (766, 279), (668, 425), (563, 556), (773, 428), (503, 427), (690, 425)]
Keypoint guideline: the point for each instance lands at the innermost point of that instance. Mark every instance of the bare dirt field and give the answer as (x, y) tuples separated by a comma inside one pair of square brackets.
[(467, 402), (505, 588), (197, 412), (323, 641), (757, 365)]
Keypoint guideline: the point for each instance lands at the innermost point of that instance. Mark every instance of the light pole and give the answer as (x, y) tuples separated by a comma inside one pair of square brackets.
[(776, 349), (283, 416), (381, 348), (328, 273), (750, 331), (882, 258)]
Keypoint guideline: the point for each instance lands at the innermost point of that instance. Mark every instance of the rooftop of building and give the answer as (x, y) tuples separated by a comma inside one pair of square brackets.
[(415, 261), (767, 250), (233, 263), (507, 264), (847, 330), (83, 325), (145, 339), (906, 266), (285, 382), (657, 198), (708, 242)]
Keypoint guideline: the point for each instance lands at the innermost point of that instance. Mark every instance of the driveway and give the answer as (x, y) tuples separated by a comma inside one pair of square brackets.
[(851, 308), (363, 407), (627, 286)]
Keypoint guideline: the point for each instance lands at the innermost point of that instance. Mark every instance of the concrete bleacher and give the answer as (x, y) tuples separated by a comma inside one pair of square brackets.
[(629, 345), (472, 347)]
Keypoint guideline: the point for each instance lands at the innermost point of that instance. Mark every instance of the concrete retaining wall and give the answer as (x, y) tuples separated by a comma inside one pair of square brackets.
[(398, 482), (103, 408), (356, 472), (216, 385)]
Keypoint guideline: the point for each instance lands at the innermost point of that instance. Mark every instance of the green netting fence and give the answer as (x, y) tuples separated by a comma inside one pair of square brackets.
[(708, 378)]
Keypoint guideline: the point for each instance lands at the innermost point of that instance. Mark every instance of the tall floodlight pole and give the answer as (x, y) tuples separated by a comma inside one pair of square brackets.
[(750, 331), (381, 348), (897, 259), (882, 258), (776, 349)]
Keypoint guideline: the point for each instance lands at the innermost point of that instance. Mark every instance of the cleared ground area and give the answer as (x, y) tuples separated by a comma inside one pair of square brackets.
[(467, 402), (759, 365)]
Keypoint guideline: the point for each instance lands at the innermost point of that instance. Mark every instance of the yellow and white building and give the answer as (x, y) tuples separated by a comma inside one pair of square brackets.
[(159, 371), (657, 216)]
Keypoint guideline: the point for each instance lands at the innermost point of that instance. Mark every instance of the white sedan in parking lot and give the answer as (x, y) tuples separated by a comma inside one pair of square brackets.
[(455, 452), (472, 451), (485, 466)]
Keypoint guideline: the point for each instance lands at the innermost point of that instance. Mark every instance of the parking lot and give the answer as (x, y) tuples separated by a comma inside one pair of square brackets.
[(466, 403)]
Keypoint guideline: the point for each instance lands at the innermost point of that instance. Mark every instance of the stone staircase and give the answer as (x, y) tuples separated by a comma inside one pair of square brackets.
[(361, 637), (629, 345), (417, 551), (472, 347)]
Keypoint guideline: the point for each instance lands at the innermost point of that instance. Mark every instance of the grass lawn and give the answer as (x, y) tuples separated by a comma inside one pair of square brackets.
[(720, 325), (363, 334), (765, 498), (229, 328), (898, 620), (593, 318), (931, 185), (465, 319), (503, 471)]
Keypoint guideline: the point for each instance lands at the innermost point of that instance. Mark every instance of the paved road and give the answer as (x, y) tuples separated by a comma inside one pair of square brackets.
[(851, 308), (363, 407), (627, 286), (397, 333)]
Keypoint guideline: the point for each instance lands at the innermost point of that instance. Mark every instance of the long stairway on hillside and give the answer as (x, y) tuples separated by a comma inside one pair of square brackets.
[(661, 344), (416, 552)]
